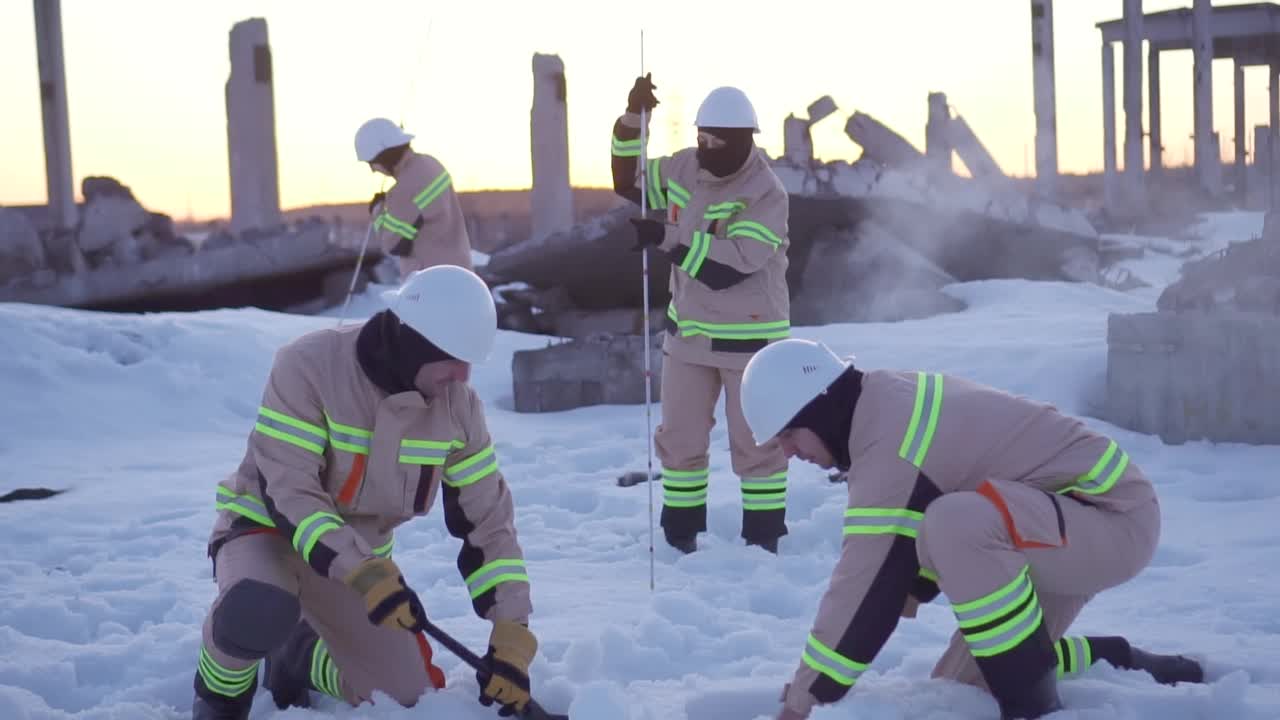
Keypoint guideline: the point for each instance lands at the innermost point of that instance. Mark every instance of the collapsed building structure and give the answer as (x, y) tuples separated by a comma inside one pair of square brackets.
[(109, 253)]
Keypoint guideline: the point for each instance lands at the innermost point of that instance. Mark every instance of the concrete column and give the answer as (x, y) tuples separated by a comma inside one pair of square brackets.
[(1045, 102), (1273, 142), (549, 125), (53, 107), (1242, 170), (1156, 148), (251, 129), (1135, 196), (797, 145), (1108, 127), (937, 138), (1202, 46)]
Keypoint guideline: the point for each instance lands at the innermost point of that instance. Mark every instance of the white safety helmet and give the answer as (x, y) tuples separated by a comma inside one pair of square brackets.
[(377, 135), (449, 306), (781, 379), (727, 107)]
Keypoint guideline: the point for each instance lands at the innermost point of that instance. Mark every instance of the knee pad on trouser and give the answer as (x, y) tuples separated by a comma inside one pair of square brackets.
[(254, 618), (251, 618), (684, 503)]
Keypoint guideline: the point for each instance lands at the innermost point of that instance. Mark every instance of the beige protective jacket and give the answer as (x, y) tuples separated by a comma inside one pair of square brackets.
[(727, 238), (334, 465), (914, 438), (421, 220)]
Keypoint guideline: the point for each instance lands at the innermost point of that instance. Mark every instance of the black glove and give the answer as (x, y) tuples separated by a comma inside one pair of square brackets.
[(649, 233), (378, 198), (641, 95)]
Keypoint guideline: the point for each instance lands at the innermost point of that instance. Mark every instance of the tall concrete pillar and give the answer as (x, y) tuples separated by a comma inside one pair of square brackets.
[(1273, 142), (1202, 47), (251, 129), (1135, 195), (797, 143), (937, 138), (549, 126), (1242, 170), (1109, 127), (1045, 101), (53, 108), (1156, 147)]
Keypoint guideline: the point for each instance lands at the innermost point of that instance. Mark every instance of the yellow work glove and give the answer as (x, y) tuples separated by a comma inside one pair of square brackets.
[(511, 650), (389, 601)]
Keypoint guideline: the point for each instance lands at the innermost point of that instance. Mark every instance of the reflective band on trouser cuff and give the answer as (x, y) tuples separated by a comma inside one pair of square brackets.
[(426, 452), (915, 444), (730, 331), (724, 210), (626, 148), (766, 493), (679, 196), (246, 505), (324, 673), (385, 550), (929, 575), (348, 437), (433, 191), (684, 488), (472, 470), (291, 430), (311, 529), (396, 225), (224, 681), (1112, 464), (831, 663), (698, 251), (1074, 655), (492, 574), (657, 198), (882, 521), (755, 231), (999, 622)]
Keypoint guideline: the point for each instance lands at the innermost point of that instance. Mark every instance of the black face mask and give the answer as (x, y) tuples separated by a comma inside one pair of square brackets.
[(830, 415), (730, 157), (391, 354)]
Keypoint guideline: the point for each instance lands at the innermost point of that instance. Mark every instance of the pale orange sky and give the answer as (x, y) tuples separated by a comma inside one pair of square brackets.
[(145, 84)]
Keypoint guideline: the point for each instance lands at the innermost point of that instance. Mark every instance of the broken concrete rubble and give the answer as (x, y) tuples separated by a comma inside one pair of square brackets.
[(1207, 364), (597, 369)]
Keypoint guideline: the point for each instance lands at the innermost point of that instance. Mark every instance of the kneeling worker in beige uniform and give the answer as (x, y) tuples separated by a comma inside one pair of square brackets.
[(1018, 513), (360, 428)]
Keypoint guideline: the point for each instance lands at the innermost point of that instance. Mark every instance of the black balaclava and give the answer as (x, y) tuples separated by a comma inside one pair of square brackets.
[(390, 157), (391, 353), (830, 415), (730, 157)]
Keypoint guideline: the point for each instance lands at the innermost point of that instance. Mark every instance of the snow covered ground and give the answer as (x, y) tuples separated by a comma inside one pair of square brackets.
[(103, 589)]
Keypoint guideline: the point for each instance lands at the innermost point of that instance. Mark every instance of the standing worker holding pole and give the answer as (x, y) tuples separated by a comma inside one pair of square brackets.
[(724, 226)]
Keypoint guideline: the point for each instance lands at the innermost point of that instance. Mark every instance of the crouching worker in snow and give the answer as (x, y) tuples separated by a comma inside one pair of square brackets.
[(359, 429), (1018, 513)]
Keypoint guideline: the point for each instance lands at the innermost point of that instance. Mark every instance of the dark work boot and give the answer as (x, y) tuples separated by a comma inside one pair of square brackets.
[(1166, 669), (209, 705), (684, 543), (287, 674), (1033, 701)]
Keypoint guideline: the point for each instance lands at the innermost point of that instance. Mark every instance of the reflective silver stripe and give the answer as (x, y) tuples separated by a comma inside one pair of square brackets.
[(1074, 655), (1009, 638), (311, 529), (924, 419), (426, 452), (1003, 601), (245, 505), (831, 663), (1104, 473), (494, 574), (882, 521)]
